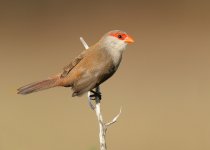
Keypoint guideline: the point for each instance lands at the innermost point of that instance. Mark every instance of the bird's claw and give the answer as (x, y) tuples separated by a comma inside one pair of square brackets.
[(95, 95), (90, 103)]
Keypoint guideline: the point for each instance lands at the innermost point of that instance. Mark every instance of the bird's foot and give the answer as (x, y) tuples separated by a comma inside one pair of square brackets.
[(91, 104), (95, 95)]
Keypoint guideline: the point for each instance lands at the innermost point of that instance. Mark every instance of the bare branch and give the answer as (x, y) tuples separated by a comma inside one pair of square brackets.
[(114, 119), (97, 108), (84, 43), (89, 93)]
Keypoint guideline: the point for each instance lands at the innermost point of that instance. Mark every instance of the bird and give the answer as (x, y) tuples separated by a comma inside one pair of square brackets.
[(89, 69)]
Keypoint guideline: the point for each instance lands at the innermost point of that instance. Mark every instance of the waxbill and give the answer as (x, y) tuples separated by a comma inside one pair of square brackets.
[(91, 68)]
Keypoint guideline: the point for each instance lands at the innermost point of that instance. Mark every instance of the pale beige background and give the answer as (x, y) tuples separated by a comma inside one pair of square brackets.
[(163, 82)]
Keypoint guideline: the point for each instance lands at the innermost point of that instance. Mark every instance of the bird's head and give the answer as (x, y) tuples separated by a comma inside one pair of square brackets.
[(116, 40)]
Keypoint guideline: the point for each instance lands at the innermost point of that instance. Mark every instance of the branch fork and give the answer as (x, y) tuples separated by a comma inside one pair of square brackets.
[(97, 108)]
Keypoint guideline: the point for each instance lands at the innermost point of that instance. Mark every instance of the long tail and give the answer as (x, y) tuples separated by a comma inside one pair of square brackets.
[(38, 86)]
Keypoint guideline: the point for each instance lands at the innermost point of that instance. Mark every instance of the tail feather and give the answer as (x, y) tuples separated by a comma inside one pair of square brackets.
[(38, 86)]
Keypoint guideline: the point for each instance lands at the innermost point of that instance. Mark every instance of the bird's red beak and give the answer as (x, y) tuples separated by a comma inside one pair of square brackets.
[(129, 40)]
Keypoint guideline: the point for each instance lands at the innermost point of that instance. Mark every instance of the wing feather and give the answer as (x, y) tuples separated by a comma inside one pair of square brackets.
[(71, 65)]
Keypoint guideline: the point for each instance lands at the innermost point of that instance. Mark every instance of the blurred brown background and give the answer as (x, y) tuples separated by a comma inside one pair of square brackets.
[(163, 82)]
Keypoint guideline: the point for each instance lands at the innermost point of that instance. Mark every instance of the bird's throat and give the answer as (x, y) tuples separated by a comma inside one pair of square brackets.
[(115, 55)]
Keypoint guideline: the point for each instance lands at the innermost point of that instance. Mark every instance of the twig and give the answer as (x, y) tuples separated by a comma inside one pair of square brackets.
[(102, 126), (89, 93), (114, 119), (84, 43)]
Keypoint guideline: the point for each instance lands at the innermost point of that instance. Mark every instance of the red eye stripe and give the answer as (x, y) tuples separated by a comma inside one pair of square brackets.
[(120, 36)]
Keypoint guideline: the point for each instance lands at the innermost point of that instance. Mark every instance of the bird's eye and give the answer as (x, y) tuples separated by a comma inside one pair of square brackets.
[(119, 36)]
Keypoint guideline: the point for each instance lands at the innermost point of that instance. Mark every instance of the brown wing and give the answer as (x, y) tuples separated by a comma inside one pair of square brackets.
[(70, 66)]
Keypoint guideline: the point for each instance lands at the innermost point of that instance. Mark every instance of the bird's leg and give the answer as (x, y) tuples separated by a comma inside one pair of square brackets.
[(90, 103), (95, 95)]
